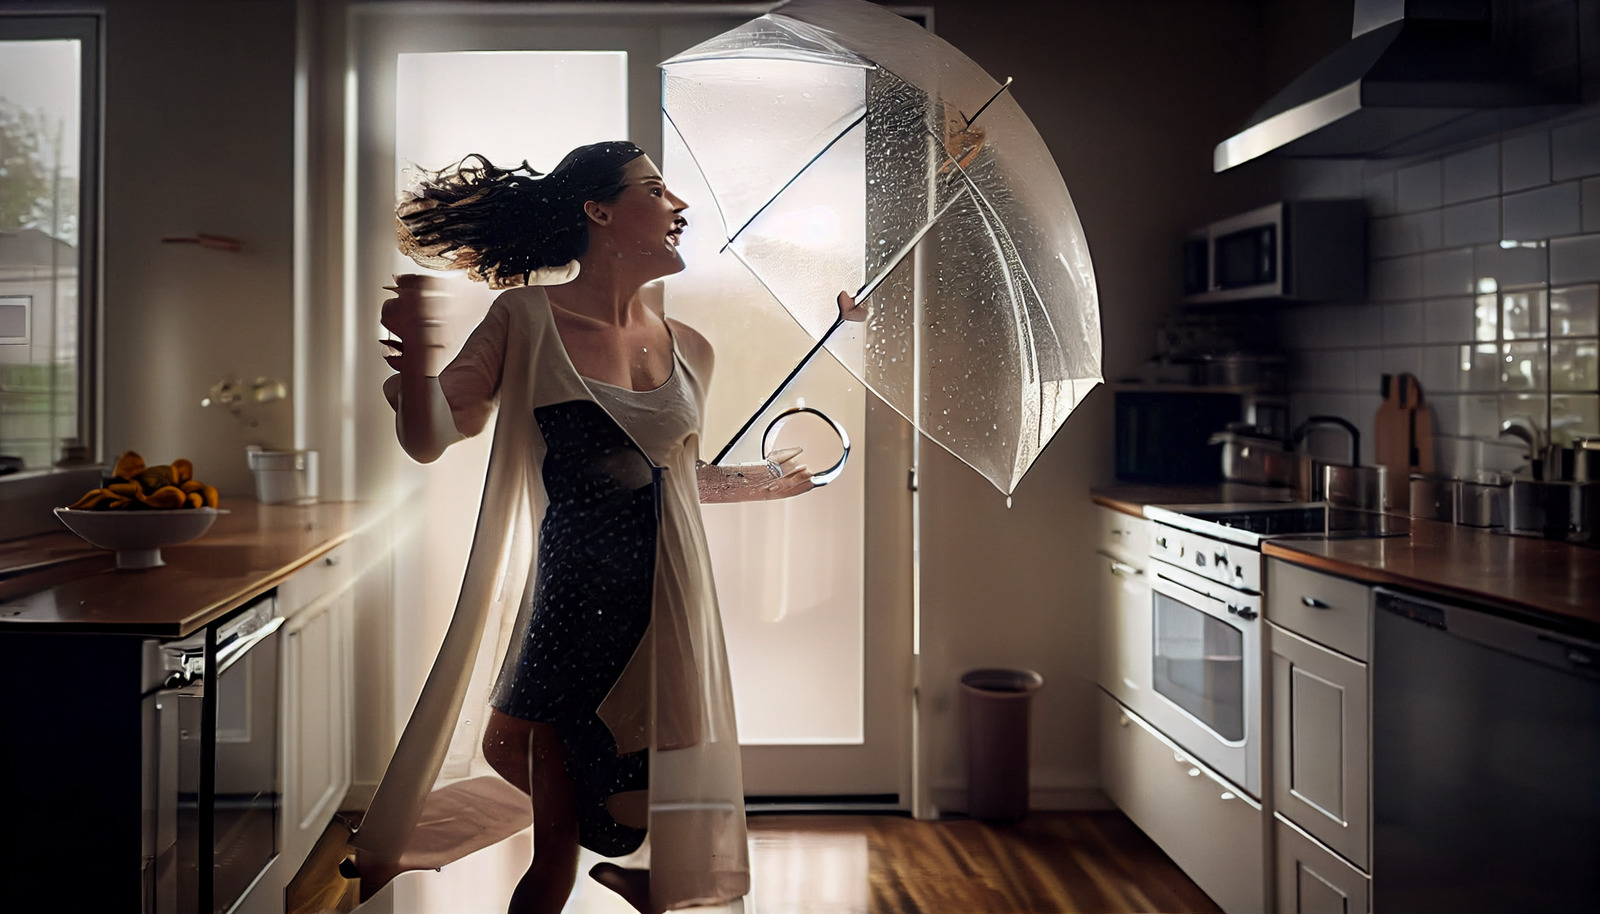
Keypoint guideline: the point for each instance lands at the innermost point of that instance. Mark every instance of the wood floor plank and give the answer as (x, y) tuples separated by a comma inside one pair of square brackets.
[(1047, 863)]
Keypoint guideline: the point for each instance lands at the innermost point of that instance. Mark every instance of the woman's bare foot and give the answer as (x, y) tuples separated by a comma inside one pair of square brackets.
[(632, 885)]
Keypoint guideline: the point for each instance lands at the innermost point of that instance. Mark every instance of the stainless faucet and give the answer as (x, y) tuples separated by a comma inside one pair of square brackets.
[(1314, 421)]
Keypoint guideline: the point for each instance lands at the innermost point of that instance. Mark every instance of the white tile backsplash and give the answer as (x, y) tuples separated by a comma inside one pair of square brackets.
[(1451, 239), (1514, 266), (1448, 273), (1410, 233), (1525, 161), (1575, 259), (1469, 223), (1419, 187), (1449, 320), (1575, 150), (1395, 278), (1377, 188), (1472, 175), (1548, 212), (1403, 324), (1441, 369)]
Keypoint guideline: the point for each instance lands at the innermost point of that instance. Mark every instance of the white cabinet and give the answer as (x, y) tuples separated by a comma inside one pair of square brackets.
[(1320, 632), (1123, 617), (1212, 831), (1313, 881), (1319, 743), (317, 605), (316, 667)]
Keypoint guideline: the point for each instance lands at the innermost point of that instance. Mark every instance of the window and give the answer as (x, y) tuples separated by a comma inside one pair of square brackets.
[(48, 175)]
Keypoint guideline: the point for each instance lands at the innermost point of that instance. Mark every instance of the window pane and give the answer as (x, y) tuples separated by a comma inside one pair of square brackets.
[(40, 123)]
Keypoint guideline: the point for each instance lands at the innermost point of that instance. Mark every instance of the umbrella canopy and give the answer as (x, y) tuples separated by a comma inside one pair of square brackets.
[(985, 326)]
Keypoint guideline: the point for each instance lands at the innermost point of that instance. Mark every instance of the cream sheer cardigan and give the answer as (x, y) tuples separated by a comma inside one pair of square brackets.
[(674, 697)]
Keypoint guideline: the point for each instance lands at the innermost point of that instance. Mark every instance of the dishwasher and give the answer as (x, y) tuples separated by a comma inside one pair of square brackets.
[(1485, 761)]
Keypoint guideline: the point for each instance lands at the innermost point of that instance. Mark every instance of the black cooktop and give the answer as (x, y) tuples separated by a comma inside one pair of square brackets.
[(1306, 522)]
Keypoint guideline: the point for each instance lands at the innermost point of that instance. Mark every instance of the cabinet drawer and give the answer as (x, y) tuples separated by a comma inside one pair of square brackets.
[(1207, 826), (1312, 879), (327, 574), (1319, 742), (1124, 536), (1123, 626), (1329, 610)]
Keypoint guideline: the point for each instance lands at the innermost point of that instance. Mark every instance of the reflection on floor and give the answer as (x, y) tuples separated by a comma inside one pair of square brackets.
[(1057, 861)]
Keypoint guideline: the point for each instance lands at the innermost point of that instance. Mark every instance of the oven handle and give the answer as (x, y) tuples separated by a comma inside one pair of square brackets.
[(230, 655)]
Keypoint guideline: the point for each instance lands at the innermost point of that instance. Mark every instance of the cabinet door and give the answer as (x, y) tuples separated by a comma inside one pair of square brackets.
[(1124, 629), (1311, 880), (317, 718), (1319, 742)]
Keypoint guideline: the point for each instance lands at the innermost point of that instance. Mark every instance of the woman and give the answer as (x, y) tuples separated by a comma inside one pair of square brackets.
[(613, 709)]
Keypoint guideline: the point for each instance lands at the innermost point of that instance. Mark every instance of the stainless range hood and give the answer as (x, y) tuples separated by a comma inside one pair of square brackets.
[(1419, 75)]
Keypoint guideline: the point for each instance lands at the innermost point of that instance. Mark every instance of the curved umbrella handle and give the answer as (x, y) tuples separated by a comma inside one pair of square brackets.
[(831, 473)]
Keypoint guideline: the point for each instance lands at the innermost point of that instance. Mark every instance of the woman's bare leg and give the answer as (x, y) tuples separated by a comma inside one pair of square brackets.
[(529, 756)]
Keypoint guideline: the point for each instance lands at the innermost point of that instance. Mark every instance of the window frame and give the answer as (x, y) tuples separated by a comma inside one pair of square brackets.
[(88, 28)]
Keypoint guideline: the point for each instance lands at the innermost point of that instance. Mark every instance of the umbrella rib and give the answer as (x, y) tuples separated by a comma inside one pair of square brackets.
[(795, 177)]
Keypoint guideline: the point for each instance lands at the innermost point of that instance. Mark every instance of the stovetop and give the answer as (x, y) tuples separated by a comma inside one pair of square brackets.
[(1249, 524)]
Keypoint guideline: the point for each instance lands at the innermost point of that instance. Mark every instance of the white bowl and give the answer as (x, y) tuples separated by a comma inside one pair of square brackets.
[(137, 536)]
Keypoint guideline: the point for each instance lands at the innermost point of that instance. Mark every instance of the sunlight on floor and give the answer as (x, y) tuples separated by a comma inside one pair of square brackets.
[(790, 874)]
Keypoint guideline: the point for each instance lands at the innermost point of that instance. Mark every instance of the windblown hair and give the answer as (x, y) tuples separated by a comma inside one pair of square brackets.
[(510, 226)]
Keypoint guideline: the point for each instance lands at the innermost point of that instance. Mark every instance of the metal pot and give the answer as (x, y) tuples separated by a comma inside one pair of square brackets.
[(1253, 459)]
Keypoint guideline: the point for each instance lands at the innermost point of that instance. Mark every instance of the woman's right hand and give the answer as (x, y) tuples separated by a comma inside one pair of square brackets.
[(416, 315)]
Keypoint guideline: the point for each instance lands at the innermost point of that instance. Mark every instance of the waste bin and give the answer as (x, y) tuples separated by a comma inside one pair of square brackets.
[(997, 704)]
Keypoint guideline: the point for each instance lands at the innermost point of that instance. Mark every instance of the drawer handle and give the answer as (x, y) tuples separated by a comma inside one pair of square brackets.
[(1123, 569), (331, 560), (1194, 772), (1314, 603), (1227, 795), (1123, 719)]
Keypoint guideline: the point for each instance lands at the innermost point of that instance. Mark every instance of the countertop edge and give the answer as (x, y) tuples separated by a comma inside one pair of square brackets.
[(342, 523)]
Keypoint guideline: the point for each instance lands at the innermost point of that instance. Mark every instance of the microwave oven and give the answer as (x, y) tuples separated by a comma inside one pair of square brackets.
[(1298, 250)]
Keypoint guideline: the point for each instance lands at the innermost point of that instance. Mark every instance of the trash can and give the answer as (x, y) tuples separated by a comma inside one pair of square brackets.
[(997, 704)]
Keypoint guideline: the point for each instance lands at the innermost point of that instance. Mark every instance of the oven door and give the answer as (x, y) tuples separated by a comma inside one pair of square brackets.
[(1205, 671)]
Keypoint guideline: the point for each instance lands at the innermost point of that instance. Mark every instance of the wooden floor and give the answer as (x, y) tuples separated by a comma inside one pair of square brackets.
[(850, 864)]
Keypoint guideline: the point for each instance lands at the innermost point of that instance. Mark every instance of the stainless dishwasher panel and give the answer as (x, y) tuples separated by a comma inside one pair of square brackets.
[(1485, 753)]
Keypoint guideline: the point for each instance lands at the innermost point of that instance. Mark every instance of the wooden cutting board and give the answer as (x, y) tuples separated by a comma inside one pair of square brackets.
[(1402, 437)]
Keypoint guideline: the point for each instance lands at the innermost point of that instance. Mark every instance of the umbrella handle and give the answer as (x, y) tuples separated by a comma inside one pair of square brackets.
[(831, 473)]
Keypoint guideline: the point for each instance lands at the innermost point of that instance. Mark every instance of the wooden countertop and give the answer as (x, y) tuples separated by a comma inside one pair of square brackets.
[(246, 552), (1540, 576)]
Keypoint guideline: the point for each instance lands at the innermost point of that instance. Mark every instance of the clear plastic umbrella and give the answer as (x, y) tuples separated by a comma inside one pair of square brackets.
[(985, 323)]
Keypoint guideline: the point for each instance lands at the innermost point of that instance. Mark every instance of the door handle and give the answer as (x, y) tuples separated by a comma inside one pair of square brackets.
[(1123, 569), (1314, 603)]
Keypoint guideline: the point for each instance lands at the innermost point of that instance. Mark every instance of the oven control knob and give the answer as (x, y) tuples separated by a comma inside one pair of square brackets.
[(1247, 613), (1233, 610), (1221, 560), (1161, 541), (1200, 559), (1238, 572)]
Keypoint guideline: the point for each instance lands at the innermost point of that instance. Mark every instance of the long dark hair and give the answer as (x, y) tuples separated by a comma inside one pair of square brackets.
[(502, 225)]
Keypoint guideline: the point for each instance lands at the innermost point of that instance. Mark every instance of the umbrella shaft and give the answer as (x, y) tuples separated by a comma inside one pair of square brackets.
[(778, 392)]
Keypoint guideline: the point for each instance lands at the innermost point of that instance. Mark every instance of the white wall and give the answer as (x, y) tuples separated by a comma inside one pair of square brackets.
[(198, 139)]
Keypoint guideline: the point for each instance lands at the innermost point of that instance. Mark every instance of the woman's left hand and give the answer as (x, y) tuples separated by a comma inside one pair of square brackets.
[(791, 478)]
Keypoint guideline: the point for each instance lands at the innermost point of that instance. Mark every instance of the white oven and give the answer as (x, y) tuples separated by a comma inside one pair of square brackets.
[(1204, 691)]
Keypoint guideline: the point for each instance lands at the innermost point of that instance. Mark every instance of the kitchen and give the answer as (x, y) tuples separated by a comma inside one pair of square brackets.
[(1158, 85)]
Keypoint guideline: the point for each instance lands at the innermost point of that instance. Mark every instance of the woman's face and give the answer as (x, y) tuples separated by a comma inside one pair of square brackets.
[(644, 222)]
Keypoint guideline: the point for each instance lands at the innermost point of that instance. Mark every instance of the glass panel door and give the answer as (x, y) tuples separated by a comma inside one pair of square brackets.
[(1199, 665)]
